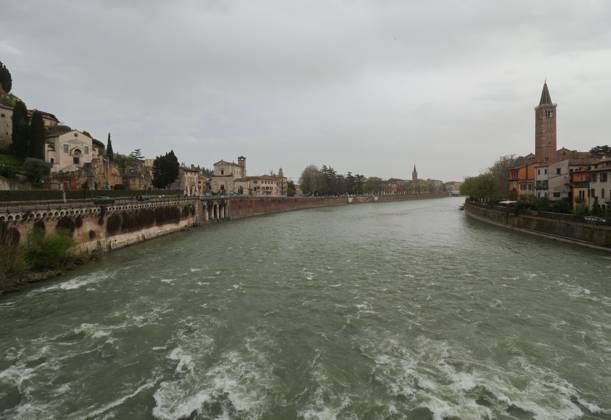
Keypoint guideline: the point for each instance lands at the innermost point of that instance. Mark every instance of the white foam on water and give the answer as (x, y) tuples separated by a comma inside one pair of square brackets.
[(119, 401), (171, 404), (185, 360), (168, 281), (195, 270), (76, 282), (576, 291), (240, 381), (323, 403), (426, 375), (335, 285)]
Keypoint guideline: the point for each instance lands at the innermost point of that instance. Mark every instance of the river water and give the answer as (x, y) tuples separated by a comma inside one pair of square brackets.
[(372, 311)]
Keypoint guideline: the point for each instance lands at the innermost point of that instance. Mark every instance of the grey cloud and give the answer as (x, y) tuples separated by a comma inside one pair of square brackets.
[(364, 85)]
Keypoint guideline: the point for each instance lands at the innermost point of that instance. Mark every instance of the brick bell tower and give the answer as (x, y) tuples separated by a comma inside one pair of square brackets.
[(545, 128)]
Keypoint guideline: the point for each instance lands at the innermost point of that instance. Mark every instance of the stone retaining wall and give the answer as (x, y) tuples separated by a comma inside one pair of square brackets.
[(98, 228), (592, 235), (240, 207)]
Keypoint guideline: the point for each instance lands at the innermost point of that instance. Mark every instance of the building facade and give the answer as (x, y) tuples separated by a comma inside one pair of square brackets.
[(259, 186), (188, 181), (6, 124), (69, 150), (225, 174), (561, 180), (522, 181), (541, 180), (600, 184)]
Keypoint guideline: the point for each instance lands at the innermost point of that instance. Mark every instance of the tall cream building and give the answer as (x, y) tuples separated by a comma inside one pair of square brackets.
[(68, 150)]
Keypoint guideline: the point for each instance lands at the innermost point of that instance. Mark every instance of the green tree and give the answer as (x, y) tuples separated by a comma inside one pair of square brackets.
[(36, 169), (110, 154), (373, 185), (5, 78), (500, 171), (291, 190), (137, 155), (601, 151), (165, 170), (20, 136), (484, 188), (359, 184), (310, 180), (37, 136), (43, 252)]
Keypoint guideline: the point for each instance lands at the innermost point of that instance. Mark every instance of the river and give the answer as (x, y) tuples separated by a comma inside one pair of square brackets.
[(373, 311)]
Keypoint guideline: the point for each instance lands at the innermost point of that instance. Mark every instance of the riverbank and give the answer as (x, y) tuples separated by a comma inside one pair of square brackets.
[(561, 229), (99, 230)]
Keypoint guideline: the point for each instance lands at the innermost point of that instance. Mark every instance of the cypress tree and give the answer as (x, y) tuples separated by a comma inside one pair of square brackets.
[(21, 130), (37, 136), (5, 78), (109, 152)]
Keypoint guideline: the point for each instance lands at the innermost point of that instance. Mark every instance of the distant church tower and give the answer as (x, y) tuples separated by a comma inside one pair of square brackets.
[(545, 128), (414, 174)]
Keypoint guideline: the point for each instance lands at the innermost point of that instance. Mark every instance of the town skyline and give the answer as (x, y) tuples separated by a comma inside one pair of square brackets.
[(389, 100)]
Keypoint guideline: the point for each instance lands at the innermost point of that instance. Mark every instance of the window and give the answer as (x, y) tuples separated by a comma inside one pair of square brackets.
[(52, 161), (602, 193), (545, 171), (76, 160), (592, 193), (86, 150), (222, 172), (538, 171), (558, 171), (557, 195), (2, 115), (549, 113), (603, 177), (66, 148)]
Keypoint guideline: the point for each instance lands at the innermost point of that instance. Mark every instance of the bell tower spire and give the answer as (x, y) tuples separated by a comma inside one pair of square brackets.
[(545, 127)]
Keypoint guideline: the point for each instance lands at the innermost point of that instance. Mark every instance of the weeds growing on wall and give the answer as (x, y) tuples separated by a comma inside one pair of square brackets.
[(11, 260), (47, 251)]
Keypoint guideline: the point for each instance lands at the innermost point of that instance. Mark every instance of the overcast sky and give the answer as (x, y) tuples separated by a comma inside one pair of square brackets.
[(371, 86)]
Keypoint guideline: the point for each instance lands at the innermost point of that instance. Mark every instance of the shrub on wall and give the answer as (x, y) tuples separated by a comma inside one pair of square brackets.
[(11, 255), (43, 252)]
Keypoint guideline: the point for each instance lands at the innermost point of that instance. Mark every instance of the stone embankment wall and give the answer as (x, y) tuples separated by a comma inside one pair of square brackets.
[(240, 207), (98, 228), (592, 235), (102, 228)]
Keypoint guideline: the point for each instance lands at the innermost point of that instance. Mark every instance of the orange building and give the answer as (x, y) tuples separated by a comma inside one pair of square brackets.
[(522, 180), (580, 186)]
